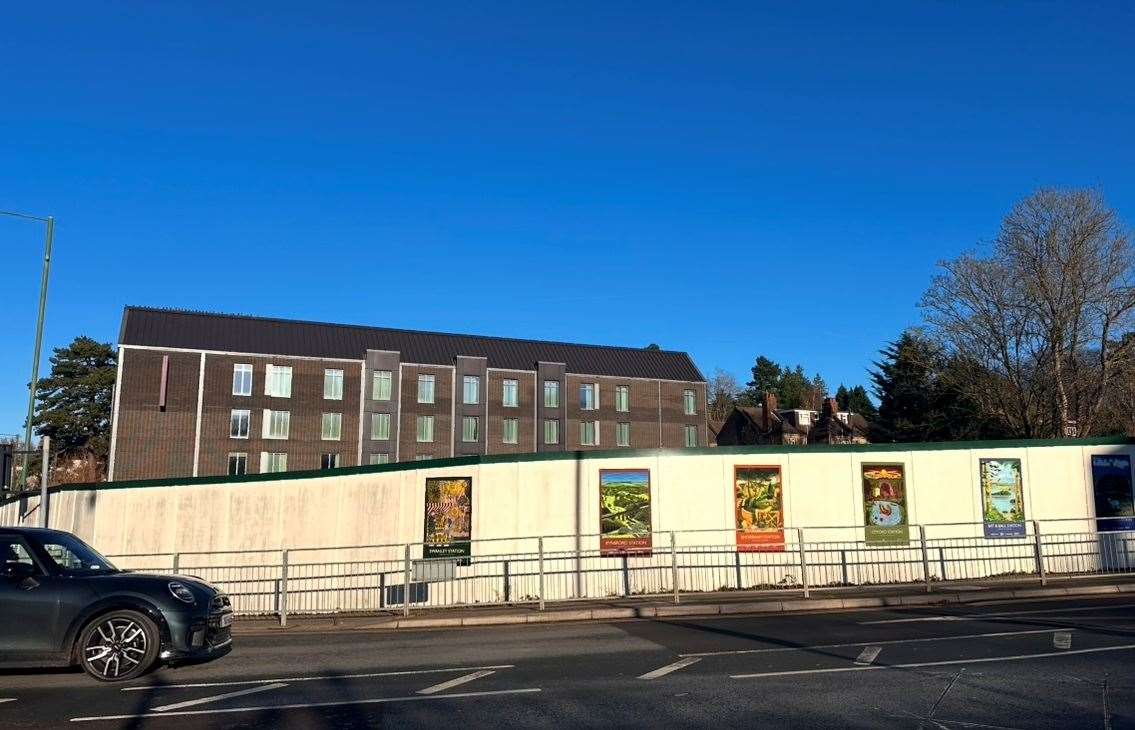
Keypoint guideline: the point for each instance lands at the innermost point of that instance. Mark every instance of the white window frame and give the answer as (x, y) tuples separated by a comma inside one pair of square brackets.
[(278, 381), (333, 466), (331, 427), (268, 457), (554, 424), (334, 378), (592, 388), (475, 382), (427, 421), (268, 425), (593, 427), (623, 429), (240, 413), (381, 380), (555, 392), (423, 457), (510, 393), (376, 433), (242, 386), (465, 421), (427, 378), (507, 425), (377, 458), (236, 455), (623, 398), (690, 402), (686, 431)]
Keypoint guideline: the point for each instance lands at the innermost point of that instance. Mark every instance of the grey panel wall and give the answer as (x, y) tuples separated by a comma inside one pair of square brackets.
[(378, 360), (553, 371), (474, 367)]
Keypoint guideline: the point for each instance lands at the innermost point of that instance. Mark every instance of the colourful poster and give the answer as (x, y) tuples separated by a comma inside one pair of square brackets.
[(1002, 497), (758, 494), (449, 517), (884, 505), (1111, 482), (624, 511)]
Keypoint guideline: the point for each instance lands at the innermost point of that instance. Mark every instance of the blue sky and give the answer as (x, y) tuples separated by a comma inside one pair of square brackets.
[(727, 179)]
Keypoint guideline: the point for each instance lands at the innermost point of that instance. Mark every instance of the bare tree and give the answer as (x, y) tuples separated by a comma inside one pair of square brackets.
[(1039, 323), (721, 394)]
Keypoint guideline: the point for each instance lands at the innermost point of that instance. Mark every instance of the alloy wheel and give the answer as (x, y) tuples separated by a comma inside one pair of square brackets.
[(116, 647)]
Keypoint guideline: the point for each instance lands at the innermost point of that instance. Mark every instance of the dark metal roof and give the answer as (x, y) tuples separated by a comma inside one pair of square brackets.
[(239, 333)]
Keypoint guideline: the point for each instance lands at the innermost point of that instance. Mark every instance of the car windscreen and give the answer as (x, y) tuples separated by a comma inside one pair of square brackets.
[(72, 555)]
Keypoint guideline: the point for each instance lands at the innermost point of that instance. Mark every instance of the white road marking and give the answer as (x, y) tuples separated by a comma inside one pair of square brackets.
[(1062, 640), (868, 655), (7, 699), (877, 643), (442, 686), (949, 662), (1000, 614), (403, 673), (663, 671), (215, 698), (307, 705)]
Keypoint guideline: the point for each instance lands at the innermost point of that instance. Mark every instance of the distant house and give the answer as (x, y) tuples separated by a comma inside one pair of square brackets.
[(767, 424)]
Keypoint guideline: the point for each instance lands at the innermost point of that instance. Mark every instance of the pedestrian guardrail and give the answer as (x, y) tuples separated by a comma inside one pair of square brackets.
[(559, 568)]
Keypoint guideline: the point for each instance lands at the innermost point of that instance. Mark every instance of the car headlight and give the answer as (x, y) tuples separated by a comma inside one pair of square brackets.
[(181, 593)]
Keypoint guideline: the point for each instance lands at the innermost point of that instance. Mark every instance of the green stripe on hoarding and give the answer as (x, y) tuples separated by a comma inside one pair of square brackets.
[(457, 461)]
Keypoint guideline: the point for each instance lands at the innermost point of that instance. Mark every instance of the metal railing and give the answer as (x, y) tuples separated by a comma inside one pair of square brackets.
[(558, 568)]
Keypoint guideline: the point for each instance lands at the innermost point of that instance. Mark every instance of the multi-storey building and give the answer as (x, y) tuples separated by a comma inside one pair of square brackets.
[(203, 394)]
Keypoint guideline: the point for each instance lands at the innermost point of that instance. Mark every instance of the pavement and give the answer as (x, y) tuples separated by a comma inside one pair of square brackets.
[(1059, 662)]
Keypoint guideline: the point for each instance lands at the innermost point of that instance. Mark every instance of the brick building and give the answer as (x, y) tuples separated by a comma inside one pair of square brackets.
[(203, 394)]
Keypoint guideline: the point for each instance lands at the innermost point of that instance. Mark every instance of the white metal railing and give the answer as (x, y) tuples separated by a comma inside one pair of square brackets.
[(538, 570)]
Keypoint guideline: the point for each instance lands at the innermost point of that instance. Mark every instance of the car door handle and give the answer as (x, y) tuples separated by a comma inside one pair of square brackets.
[(29, 584)]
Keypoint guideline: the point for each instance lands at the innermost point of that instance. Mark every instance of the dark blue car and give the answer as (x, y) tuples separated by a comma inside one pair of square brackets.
[(61, 604)]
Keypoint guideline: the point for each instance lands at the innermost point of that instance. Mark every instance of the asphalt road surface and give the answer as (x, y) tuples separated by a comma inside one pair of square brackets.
[(1057, 664)]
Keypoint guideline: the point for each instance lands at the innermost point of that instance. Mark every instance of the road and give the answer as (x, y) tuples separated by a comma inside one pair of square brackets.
[(1059, 664)]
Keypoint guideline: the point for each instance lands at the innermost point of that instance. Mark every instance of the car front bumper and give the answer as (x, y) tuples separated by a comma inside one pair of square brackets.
[(197, 635)]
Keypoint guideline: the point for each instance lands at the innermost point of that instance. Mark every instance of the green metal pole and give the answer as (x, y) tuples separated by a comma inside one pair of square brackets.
[(38, 347)]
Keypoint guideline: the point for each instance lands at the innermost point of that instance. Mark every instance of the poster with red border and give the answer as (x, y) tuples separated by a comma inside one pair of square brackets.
[(758, 494), (624, 512)]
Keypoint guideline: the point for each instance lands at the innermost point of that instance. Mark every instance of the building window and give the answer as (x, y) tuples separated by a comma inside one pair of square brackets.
[(691, 436), (278, 381), (423, 457), (425, 429), (588, 396), (276, 424), (471, 393), (803, 418), (381, 384), (589, 433), (425, 389), (380, 426), (510, 392), (379, 459), (273, 462), (238, 464), (468, 428), (332, 426), (329, 461), (238, 423), (333, 385), (622, 434), (242, 380), (622, 398), (689, 403), (551, 394), (510, 430), (551, 432)]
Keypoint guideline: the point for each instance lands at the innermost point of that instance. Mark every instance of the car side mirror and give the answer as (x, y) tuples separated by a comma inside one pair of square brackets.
[(18, 571)]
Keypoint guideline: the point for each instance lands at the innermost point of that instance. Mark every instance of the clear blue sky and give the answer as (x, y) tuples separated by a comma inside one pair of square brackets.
[(774, 178)]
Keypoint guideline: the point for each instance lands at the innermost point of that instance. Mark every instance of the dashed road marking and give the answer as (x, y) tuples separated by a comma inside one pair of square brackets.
[(442, 686), (914, 665), (309, 705), (7, 699), (368, 675), (868, 655), (216, 698), (1062, 640), (888, 642), (663, 671)]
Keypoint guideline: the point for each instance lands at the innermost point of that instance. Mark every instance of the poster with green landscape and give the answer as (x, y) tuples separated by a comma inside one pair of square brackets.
[(1002, 497), (624, 512), (884, 505)]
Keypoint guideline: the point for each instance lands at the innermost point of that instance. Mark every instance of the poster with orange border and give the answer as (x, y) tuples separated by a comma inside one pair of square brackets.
[(758, 495)]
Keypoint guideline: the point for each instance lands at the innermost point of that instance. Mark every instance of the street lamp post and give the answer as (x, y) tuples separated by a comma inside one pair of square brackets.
[(49, 221)]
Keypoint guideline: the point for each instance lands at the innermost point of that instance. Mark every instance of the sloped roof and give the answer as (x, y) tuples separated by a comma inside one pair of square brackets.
[(175, 328)]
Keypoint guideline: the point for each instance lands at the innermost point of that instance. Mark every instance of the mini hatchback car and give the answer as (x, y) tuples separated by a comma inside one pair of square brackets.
[(62, 604)]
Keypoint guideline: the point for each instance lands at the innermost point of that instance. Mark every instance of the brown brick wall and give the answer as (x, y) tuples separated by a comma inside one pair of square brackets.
[(643, 413), (441, 410), (523, 413), (674, 418), (151, 442), (304, 445)]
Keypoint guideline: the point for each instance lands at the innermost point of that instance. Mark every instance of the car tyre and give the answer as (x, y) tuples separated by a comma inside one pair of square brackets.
[(118, 646)]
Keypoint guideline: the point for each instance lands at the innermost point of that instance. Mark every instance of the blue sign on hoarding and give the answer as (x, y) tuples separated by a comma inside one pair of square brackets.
[(1111, 482)]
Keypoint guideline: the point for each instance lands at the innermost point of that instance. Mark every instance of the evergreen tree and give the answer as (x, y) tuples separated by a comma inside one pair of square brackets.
[(857, 401), (766, 379), (74, 401), (841, 397), (794, 388), (904, 384)]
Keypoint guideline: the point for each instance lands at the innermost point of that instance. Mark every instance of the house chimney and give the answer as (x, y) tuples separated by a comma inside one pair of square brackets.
[(831, 407), (768, 406)]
